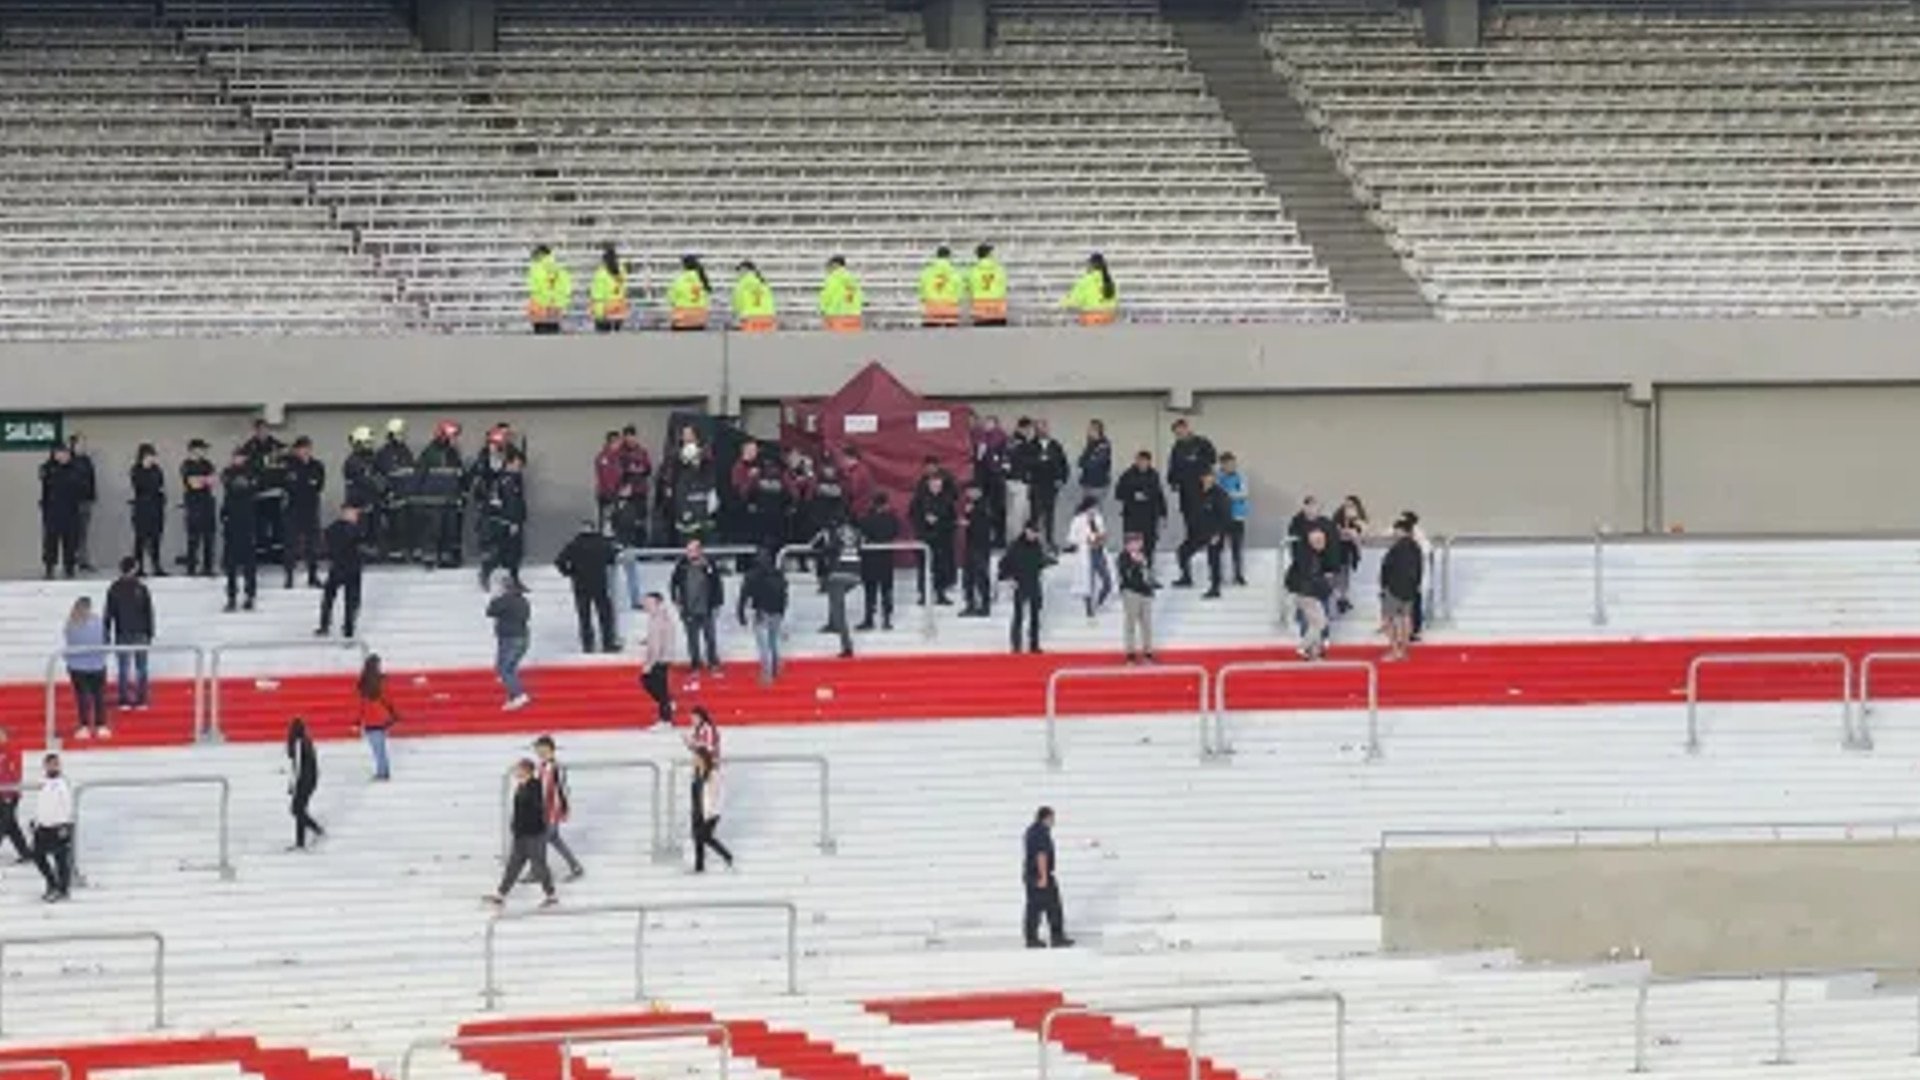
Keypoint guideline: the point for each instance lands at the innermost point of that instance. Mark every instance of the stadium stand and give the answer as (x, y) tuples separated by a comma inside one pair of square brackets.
[(1628, 160)]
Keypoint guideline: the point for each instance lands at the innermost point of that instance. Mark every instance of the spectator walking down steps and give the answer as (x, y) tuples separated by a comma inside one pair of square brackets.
[(529, 828)]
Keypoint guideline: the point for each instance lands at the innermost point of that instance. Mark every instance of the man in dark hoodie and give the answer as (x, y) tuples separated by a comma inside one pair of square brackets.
[(1143, 505), (1023, 563), (700, 595), (306, 479), (239, 528), (935, 513), (764, 594), (977, 518), (878, 527), (344, 561), (129, 621), (587, 562), (1191, 456), (529, 828), (1208, 515)]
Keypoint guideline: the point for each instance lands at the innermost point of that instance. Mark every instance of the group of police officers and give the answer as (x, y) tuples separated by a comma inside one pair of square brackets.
[(944, 290)]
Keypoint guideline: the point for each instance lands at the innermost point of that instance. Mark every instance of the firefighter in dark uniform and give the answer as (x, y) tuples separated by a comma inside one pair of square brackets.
[(198, 480), (694, 501), (239, 528), (365, 485), (63, 487), (769, 505), (306, 478), (266, 456), (827, 506), (439, 498), (503, 523), (394, 461)]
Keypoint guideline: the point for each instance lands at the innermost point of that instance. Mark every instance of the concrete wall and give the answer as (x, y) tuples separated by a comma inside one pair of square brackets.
[(1506, 427), (1693, 908)]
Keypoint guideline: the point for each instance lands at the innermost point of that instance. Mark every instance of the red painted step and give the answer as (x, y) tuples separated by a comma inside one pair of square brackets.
[(790, 1054), (248, 1054), (1093, 1036), (938, 686)]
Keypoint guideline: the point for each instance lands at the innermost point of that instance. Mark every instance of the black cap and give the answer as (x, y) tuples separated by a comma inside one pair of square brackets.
[(196, 444), (303, 443)]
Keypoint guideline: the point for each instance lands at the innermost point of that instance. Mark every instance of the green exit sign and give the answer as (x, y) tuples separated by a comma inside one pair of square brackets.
[(31, 431)]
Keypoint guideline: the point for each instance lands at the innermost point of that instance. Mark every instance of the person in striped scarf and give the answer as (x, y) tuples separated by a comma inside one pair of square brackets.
[(556, 802)]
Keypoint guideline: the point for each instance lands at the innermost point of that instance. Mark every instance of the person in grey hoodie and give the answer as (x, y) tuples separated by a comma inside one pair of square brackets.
[(511, 615), (659, 658), (86, 639)]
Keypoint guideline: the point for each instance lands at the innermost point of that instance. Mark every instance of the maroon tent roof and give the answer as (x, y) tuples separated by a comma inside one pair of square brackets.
[(895, 429)]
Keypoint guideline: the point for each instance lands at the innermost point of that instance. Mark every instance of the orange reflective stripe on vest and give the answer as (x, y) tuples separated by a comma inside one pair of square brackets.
[(842, 322), (690, 318), (756, 324), (1097, 318), (990, 310)]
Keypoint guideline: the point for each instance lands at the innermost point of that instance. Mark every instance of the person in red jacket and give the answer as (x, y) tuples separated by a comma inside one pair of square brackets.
[(10, 802), (609, 469), (376, 716), (556, 802)]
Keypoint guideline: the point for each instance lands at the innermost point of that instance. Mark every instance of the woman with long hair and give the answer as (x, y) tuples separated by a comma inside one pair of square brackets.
[(705, 734), (86, 640), (1094, 295), (375, 715), (1350, 525), (607, 302), (706, 811), (690, 296), (1087, 539), (303, 768)]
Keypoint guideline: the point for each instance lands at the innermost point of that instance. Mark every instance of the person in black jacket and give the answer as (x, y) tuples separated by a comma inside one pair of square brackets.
[(1023, 471), (1051, 474), (701, 596), (529, 828), (129, 621), (1209, 514), (1096, 463), (1023, 563), (878, 527), (586, 561), (303, 767), (1191, 456), (839, 558), (935, 514), (1309, 579), (149, 483), (344, 562), (769, 503), (200, 507), (63, 488), (439, 497), (1039, 872), (764, 594), (1401, 574), (503, 522), (305, 478), (266, 456), (1143, 504), (239, 524), (977, 519), (89, 494)]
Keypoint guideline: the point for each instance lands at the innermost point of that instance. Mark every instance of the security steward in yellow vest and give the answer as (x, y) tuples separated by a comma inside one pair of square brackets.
[(549, 291), (753, 307), (690, 296), (987, 288), (607, 302), (841, 300), (1094, 296), (940, 291)]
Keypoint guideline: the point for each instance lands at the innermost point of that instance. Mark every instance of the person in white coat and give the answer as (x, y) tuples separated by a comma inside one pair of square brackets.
[(1092, 571), (707, 799), (53, 831)]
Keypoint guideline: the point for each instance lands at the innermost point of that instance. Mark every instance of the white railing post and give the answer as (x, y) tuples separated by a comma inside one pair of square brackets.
[(1848, 738), (51, 680), (490, 992), (654, 824), (1194, 1007), (1059, 675), (714, 1032), (158, 940), (215, 729), (1222, 744), (225, 788), (1599, 575), (671, 846)]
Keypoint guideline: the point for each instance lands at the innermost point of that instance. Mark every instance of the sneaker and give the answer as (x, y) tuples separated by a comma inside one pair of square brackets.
[(142, 707), (106, 733), (868, 625), (551, 900), (576, 873), (1062, 943), (693, 682), (1183, 583), (323, 631), (248, 605), (230, 608), (494, 900), (1132, 659), (516, 703), (83, 734), (1036, 943), (1210, 594)]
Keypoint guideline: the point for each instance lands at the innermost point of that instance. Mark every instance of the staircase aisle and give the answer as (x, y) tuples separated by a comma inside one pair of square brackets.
[(1224, 47)]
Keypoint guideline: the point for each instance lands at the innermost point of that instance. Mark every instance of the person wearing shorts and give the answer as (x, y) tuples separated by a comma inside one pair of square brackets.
[(1401, 574)]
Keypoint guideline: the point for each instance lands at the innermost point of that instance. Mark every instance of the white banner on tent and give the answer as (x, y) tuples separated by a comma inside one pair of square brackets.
[(934, 420), (861, 424)]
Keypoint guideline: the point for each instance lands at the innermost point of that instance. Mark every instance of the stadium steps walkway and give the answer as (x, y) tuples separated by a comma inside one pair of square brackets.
[(1224, 47)]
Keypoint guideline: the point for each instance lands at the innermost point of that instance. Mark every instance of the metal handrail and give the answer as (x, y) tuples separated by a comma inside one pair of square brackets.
[(1060, 675), (564, 1041), (1658, 833), (54, 659), (1194, 1007), (226, 801), (1781, 1056), (672, 846), (159, 963), (670, 554), (214, 732), (1865, 699), (60, 1068), (490, 992), (1848, 738), (1221, 745), (654, 822), (928, 627)]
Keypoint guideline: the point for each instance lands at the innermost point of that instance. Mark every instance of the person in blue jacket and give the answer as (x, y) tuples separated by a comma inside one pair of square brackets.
[(1234, 483)]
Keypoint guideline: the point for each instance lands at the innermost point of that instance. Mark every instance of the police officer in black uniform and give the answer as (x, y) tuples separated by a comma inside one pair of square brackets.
[(198, 480), (439, 498), (1039, 871), (306, 478), (239, 527), (344, 562), (266, 456), (149, 483), (503, 523), (63, 487)]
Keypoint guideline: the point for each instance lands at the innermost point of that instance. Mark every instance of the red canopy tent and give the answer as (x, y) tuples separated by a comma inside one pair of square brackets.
[(895, 429)]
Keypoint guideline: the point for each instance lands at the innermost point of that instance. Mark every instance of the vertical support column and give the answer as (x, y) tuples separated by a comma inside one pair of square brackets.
[(1451, 24), (957, 25), (460, 26)]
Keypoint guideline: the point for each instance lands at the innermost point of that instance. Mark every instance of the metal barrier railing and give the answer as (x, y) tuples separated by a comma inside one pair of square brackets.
[(36, 1066), (1221, 745), (1656, 833), (924, 571), (1164, 671), (54, 667), (1848, 737), (1865, 700), (159, 963), (670, 554), (1194, 1008), (717, 1034), (225, 865), (490, 993), (1782, 979), (654, 821), (672, 845), (214, 732)]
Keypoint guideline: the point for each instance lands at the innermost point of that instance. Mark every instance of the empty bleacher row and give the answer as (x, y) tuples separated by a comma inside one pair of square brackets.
[(1686, 160)]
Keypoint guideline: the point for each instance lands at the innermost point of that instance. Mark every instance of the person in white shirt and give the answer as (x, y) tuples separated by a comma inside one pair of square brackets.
[(707, 802), (1087, 539), (53, 831)]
